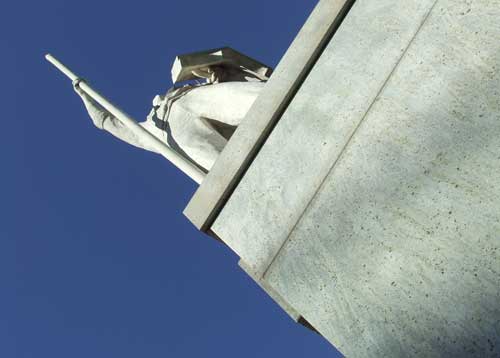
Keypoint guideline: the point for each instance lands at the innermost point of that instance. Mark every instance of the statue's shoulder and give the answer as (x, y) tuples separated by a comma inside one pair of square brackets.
[(192, 66), (163, 104)]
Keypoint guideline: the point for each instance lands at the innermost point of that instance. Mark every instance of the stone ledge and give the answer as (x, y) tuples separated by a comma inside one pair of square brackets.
[(265, 113)]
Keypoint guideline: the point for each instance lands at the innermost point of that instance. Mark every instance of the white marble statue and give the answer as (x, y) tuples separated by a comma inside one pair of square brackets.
[(197, 119)]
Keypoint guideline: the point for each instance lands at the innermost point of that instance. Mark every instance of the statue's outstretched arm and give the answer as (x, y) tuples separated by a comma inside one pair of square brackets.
[(102, 119)]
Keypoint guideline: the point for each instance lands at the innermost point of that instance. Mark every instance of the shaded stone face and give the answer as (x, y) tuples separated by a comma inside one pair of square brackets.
[(373, 207)]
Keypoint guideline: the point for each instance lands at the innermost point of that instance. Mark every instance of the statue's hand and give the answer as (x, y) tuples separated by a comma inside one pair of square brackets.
[(96, 112), (78, 90)]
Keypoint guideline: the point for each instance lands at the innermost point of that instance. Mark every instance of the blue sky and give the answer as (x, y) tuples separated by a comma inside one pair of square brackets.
[(96, 258)]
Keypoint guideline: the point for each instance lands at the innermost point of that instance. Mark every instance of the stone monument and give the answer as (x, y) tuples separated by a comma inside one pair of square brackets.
[(192, 122), (361, 190)]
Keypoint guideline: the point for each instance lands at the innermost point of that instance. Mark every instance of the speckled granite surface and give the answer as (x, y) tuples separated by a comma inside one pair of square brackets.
[(373, 209)]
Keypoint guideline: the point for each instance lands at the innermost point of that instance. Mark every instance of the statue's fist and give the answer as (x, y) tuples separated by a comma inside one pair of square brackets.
[(96, 112), (76, 87)]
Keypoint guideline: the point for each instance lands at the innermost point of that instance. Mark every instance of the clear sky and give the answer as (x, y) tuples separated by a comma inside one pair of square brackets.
[(96, 258)]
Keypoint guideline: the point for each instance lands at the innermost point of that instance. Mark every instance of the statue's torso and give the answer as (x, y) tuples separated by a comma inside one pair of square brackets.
[(197, 121)]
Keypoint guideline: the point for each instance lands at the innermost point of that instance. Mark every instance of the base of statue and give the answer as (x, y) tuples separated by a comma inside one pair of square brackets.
[(362, 191)]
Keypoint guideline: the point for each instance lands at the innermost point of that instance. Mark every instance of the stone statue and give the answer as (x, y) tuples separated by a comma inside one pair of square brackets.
[(195, 119)]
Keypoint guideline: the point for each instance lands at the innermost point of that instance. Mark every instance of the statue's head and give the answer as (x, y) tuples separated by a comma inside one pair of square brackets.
[(218, 65)]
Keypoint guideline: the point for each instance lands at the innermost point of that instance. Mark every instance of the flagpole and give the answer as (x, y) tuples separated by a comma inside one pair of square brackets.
[(175, 158)]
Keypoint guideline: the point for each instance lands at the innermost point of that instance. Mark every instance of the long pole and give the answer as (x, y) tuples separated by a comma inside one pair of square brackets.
[(175, 158)]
